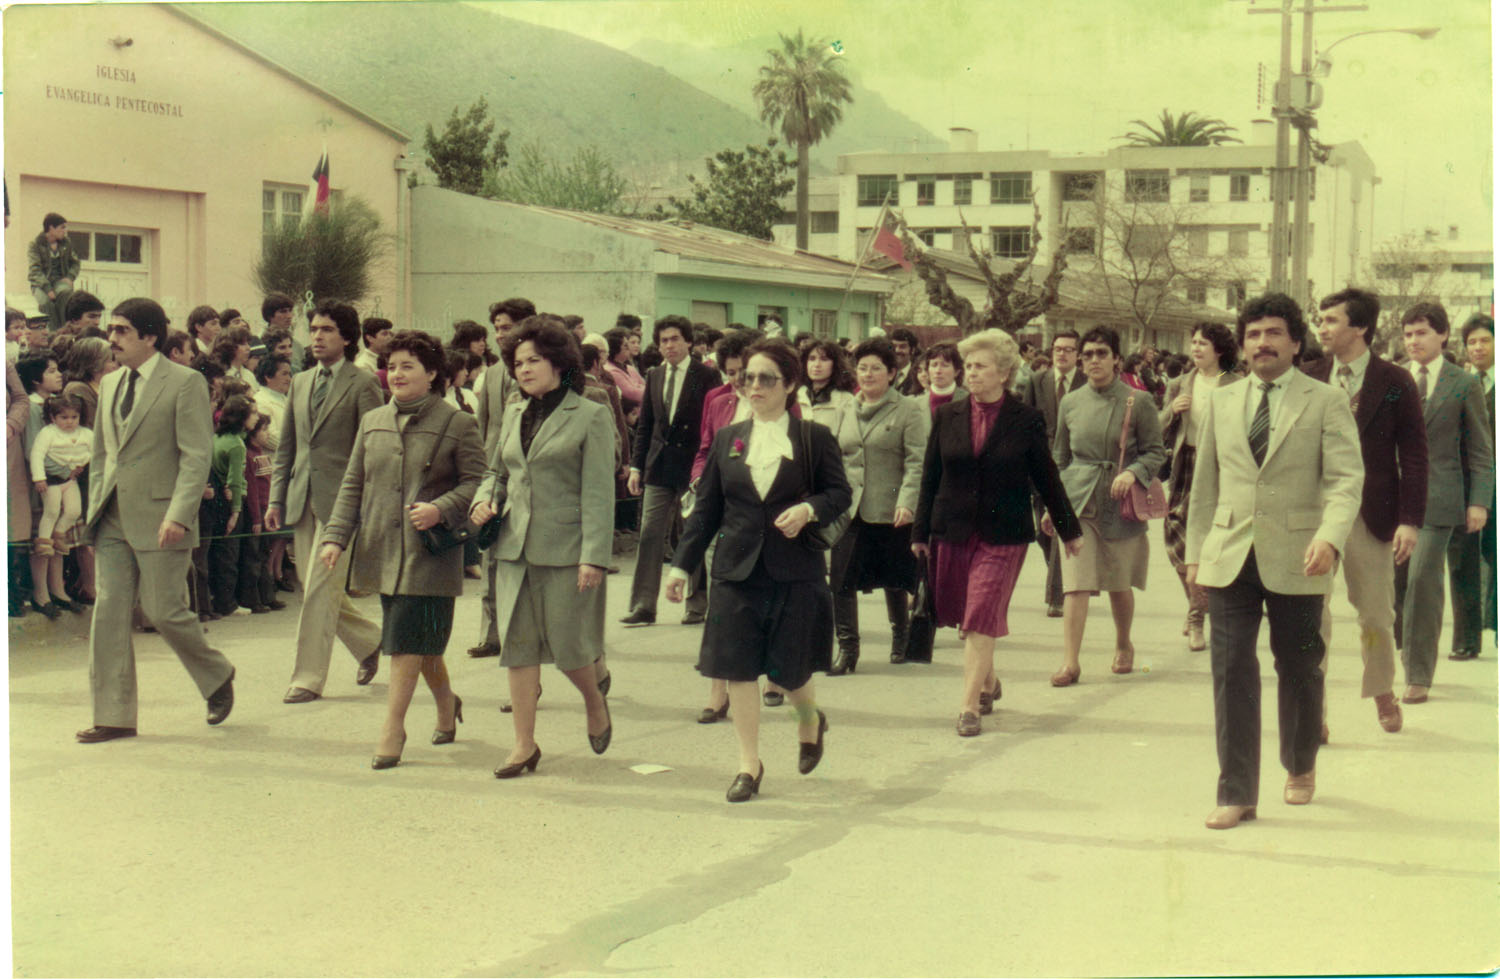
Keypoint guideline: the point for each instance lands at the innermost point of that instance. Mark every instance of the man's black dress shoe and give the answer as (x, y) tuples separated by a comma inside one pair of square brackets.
[(368, 667), (300, 695), (743, 786), (808, 755), (640, 616), (694, 618), (1463, 654), (221, 701), (484, 649), (99, 732)]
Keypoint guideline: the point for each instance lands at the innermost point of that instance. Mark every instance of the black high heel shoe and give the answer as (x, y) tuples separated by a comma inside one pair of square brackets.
[(808, 755), (447, 737), (529, 765), (743, 786), (600, 742), (380, 762)]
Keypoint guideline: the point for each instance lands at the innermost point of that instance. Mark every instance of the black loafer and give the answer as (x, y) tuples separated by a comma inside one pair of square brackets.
[(221, 701), (743, 786), (484, 649), (640, 616), (100, 732), (694, 618), (710, 715), (772, 698), (808, 755), (368, 667), (600, 742)]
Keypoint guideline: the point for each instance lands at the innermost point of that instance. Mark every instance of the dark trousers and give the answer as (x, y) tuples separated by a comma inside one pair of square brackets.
[(1235, 612), (223, 560), (255, 586), (1471, 579)]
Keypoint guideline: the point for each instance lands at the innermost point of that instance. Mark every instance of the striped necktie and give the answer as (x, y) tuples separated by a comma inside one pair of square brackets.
[(1260, 426)]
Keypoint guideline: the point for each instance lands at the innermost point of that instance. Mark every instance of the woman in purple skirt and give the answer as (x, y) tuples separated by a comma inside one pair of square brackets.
[(985, 455)]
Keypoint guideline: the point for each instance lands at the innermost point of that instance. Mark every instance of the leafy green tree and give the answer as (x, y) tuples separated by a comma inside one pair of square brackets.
[(802, 91), (1187, 129), (465, 153), (587, 182), (742, 192), (330, 255)]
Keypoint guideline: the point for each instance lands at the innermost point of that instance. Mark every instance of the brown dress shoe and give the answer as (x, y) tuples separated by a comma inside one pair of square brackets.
[(1414, 695), (968, 724), (1388, 712), (368, 667), (1228, 817), (300, 695), (99, 732), (1196, 641), (1299, 789), (1124, 661), (1065, 677)]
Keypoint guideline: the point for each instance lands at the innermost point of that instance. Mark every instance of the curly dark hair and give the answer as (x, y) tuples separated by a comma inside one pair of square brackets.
[(1224, 346), (947, 350), (234, 414), (59, 403), (553, 341), (842, 378), (876, 347), (429, 353), (1273, 304)]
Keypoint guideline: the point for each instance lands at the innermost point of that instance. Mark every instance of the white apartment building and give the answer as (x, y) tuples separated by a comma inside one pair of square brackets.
[(1213, 201)]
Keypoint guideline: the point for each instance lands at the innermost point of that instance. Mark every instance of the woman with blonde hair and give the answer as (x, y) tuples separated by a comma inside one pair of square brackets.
[(986, 455)]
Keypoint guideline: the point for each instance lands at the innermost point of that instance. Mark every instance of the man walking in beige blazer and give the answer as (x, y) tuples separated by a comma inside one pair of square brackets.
[(322, 416), (1276, 489), (153, 439)]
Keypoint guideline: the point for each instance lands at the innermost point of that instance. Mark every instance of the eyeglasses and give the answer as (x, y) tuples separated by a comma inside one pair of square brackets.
[(1096, 354), (759, 380)]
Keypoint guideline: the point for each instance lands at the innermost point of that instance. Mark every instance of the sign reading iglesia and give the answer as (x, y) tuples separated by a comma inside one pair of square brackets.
[(124, 103)]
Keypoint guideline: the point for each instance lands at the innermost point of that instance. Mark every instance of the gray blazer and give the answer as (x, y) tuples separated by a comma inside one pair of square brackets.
[(312, 453), (558, 500), (388, 470), (893, 443), (1458, 435), (157, 461), (1087, 450)]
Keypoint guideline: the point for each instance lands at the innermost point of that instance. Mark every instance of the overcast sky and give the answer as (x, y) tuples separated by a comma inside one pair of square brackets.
[(1069, 75)]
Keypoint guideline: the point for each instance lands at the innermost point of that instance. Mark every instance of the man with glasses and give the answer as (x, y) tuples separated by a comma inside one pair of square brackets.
[(1045, 393)]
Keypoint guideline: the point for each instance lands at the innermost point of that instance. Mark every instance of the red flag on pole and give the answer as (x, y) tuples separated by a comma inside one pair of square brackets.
[(887, 244), (320, 178)]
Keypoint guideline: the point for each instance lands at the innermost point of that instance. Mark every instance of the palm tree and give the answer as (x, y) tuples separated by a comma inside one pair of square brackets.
[(1188, 129), (802, 90)]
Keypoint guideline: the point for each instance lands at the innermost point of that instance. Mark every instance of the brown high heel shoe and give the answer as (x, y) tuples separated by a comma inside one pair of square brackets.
[(988, 697), (447, 737), (1124, 661), (1066, 677)]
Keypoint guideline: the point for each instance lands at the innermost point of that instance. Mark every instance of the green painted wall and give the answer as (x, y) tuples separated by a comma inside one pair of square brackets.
[(676, 294)]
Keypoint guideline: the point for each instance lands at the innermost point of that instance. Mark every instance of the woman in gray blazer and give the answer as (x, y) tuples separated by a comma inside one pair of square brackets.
[(1114, 555), (551, 480), (415, 464), (876, 550)]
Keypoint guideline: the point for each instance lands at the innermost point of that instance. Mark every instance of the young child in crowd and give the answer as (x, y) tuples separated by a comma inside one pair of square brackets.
[(60, 452), (257, 588), (42, 380), (227, 477)]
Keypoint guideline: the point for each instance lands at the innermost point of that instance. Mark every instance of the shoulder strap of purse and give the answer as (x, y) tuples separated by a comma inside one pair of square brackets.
[(437, 444), (804, 435), (1129, 407)]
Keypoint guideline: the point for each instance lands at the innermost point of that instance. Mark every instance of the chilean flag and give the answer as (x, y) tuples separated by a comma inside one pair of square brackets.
[(890, 246), (320, 180)]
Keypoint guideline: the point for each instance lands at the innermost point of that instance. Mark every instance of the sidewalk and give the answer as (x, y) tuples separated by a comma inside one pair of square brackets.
[(1067, 839)]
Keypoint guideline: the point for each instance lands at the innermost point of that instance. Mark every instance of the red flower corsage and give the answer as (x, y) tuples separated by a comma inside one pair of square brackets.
[(737, 449)]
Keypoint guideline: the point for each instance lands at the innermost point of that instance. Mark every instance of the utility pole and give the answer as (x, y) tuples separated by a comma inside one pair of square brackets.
[(1282, 112), (1298, 283)]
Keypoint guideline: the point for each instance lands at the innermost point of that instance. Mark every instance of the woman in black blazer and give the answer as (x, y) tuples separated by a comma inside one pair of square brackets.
[(769, 610), (984, 457)]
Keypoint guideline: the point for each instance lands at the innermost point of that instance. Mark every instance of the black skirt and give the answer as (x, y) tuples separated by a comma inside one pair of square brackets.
[(873, 555), (415, 625), (782, 630)]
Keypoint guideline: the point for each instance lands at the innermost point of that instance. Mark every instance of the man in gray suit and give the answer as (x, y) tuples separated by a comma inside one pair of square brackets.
[(1460, 487), (1276, 489), (153, 438), (1044, 391), (317, 432), (499, 390), (1471, 557)]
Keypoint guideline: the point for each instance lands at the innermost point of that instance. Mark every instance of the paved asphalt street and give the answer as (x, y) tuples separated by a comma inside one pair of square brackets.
[(1068, 839)]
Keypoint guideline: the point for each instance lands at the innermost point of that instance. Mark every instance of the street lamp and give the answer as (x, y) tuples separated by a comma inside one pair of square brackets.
[(1304, 121)]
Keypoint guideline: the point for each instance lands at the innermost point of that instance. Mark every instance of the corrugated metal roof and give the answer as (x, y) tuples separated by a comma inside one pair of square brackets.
[(699, 241)]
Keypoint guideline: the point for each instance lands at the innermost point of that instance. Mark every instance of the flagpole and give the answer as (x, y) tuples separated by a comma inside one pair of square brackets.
[(865, 252)]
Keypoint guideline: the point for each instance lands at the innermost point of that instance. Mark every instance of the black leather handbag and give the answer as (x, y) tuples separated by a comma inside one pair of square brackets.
[(440, 538), (923, 625)]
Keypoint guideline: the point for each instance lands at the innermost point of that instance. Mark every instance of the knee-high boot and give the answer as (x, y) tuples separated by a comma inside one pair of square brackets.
[(846, 630), (897, 607)]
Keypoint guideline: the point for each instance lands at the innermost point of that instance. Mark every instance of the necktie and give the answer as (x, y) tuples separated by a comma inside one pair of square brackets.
[(671, 388), (1346, 380), (1062, 387), (1422, 383), (320, 390), (129, 401), (1260, 426)]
